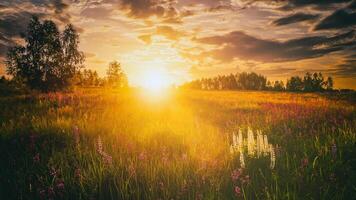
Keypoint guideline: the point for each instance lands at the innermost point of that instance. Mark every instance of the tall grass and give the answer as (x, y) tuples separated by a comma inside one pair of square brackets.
[(118, 145)]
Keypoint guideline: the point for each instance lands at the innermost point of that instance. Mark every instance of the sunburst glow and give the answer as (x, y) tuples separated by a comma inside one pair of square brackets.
[(155, 81)]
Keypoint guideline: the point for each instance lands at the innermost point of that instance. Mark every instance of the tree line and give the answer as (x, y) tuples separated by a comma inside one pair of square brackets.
[(115, 77), (251, 81), (50, 60)]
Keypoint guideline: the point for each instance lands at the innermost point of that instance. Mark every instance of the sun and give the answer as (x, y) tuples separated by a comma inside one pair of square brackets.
[(155, 80)]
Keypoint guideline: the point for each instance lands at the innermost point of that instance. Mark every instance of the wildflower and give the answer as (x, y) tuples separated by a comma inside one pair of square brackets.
[(250, 143), (237, 191), (53, 172), (132, 170), (161, 185), (304, 162), (60, 185), (78, 173), (242, 160), (142, 156), (106, 158), (236, 174), (273, 157), (50, 192), (232, 149), (99, 145), (36, 158), (42, 194)]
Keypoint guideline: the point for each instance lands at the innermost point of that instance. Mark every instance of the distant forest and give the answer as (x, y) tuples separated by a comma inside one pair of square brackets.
[(251, 81)]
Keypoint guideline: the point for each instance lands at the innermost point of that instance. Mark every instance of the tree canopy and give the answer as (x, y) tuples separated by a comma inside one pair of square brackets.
[(251, 81), (49, 58)]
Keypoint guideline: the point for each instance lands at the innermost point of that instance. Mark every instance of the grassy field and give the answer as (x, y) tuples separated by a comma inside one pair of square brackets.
[(94, 144)]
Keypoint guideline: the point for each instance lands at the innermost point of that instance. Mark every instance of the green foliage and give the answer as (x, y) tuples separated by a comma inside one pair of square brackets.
[(49, 59), (251, 81)]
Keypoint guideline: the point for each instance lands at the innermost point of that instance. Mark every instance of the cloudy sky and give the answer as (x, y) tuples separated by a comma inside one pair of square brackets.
[(187, 39)]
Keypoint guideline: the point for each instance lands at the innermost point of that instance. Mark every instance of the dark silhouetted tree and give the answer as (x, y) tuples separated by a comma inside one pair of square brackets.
[(329, 84), (49, 59), (294, 84), (278, 86)]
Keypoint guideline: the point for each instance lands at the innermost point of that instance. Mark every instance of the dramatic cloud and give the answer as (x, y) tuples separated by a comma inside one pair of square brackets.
[(240, 45), (202, 33), (339, 19), (149, 8), (295, 18), (15, 15), (166, 31), (317, 4)]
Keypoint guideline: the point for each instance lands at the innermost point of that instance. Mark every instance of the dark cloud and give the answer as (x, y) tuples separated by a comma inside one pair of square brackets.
[(295, 18), (339, 19), (15, 15), (317, 4), (57, 5), (13, 24), (165, 10), (240, 45)]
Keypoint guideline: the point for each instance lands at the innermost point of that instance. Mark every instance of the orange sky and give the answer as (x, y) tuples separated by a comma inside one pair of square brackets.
[(187, 39)]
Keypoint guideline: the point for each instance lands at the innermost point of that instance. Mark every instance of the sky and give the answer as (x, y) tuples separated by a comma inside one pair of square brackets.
[(183, 40)]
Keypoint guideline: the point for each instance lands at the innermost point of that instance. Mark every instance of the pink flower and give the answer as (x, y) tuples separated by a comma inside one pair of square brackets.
[(237, 190), (142, 156), (235, 174), (305, 162), (78, 173), (42, 194), (99, 146), (60, 185), (36, 158), (53, 172), (50, 192)]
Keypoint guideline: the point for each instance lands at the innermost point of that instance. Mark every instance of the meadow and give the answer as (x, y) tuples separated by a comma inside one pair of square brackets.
[(111, 144)]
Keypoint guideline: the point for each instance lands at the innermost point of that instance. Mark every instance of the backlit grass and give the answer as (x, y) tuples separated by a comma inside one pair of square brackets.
[(93, 144)]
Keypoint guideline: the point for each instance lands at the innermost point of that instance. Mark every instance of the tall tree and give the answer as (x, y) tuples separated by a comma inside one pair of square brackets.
[(49, 59), (329, 83), (294, 84), (116, 76)]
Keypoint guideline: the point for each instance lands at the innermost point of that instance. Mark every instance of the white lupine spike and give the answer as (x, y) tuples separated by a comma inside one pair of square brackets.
[(252, 146), (241, 143), (273, 157), (231, 149), (266, 145), (251, 142), (242, 160), (234, 140)]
